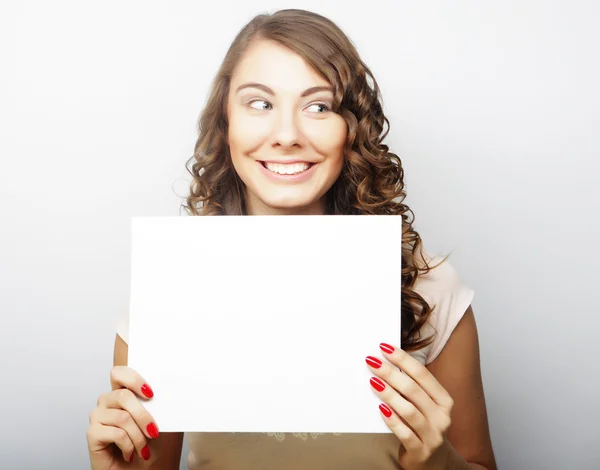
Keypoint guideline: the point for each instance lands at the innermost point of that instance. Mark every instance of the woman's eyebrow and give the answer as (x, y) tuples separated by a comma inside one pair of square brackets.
[(266, 89)]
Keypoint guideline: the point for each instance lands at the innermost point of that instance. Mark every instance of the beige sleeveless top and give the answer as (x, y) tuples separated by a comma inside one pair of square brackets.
[(442, 288)]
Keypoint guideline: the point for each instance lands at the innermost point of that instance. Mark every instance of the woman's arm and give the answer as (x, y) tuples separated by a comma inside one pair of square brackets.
[(166, 449), (458, 370)]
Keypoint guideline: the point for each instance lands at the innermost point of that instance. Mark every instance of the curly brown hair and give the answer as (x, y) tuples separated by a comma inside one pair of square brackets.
[(372, 178)]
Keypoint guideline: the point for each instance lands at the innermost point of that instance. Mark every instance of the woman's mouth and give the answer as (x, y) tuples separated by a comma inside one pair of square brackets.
[(287, 168)]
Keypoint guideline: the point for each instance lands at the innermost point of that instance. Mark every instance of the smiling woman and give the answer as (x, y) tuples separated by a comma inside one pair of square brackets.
[(294, 124), (292, 88)]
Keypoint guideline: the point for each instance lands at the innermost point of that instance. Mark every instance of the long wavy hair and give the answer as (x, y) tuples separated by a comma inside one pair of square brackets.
[(372, 178)]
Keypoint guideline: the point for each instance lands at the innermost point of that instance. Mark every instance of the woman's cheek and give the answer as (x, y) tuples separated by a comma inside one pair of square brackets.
[(247, 133)]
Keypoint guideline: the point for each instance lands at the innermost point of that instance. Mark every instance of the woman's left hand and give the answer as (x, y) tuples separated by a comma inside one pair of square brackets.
[(416, 408)]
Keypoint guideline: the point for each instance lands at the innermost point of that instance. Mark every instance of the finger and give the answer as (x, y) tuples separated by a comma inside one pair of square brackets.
[(408, 412), (100, 437), (419, 373), (406, 436), (123, 420), (404, 385), (126, 377), (124, 399)]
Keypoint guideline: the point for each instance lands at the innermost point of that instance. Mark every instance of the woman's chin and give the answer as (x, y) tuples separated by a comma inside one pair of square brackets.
[(291, 204)]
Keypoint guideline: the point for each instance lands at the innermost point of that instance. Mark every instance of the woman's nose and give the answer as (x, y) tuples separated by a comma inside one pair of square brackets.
[(286, 131)]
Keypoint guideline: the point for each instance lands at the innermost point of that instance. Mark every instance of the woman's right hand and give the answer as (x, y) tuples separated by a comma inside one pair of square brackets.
[(120, 426)]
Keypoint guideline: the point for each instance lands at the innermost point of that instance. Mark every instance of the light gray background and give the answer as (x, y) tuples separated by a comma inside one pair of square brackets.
[(494, 109)]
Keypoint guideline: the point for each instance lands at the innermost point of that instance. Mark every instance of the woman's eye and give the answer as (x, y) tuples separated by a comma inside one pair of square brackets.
[(261, 104), (323, 106)]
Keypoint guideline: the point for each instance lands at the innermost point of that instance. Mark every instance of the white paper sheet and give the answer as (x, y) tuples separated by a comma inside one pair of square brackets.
[(263, 323)]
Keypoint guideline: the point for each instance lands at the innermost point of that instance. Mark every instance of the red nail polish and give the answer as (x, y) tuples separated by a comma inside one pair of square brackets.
[(131, 458), (152, 430), (373, 362), (385, 410), (377, 384), (146, 453), (147, 391), (386, 348)]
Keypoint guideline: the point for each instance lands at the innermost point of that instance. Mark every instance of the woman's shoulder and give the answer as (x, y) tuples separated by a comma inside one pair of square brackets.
[(441, 280), (443, 288)]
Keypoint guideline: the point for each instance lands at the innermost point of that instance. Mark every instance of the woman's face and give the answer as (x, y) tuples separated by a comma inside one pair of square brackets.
[(285, 142)]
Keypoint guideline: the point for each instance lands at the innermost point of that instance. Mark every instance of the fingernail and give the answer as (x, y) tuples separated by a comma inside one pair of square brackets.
[(386, 348), (377, 384), (373, 362), (131, 458), (147, 391), (146, 453), (385, 410), (152, 430)]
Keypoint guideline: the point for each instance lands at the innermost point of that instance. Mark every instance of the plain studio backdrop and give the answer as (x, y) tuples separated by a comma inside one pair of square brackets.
[(494, 110)]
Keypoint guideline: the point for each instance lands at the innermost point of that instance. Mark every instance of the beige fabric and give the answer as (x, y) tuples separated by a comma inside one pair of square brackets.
[(441, 287), (247, 451)]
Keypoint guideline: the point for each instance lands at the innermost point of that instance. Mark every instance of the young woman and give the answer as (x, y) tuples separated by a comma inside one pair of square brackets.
[(294, 125)]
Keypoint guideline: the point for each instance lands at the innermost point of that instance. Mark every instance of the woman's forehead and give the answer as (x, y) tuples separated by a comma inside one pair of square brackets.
[(277, 67)]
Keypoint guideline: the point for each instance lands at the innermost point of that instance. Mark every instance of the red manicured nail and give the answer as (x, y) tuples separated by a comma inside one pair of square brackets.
[(146, 453), (131, 458), (152, 430), (373, 362), (147, 391), (386, 348), (377, 384), (385, 410)]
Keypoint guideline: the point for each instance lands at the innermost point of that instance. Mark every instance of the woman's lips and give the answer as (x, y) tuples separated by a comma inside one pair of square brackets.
[(294, 178)]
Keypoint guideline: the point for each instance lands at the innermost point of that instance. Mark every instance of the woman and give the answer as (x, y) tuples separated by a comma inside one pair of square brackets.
[(294, 125)]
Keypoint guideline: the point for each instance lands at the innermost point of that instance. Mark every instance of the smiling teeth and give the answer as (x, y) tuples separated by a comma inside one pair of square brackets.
[(287, 168)]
